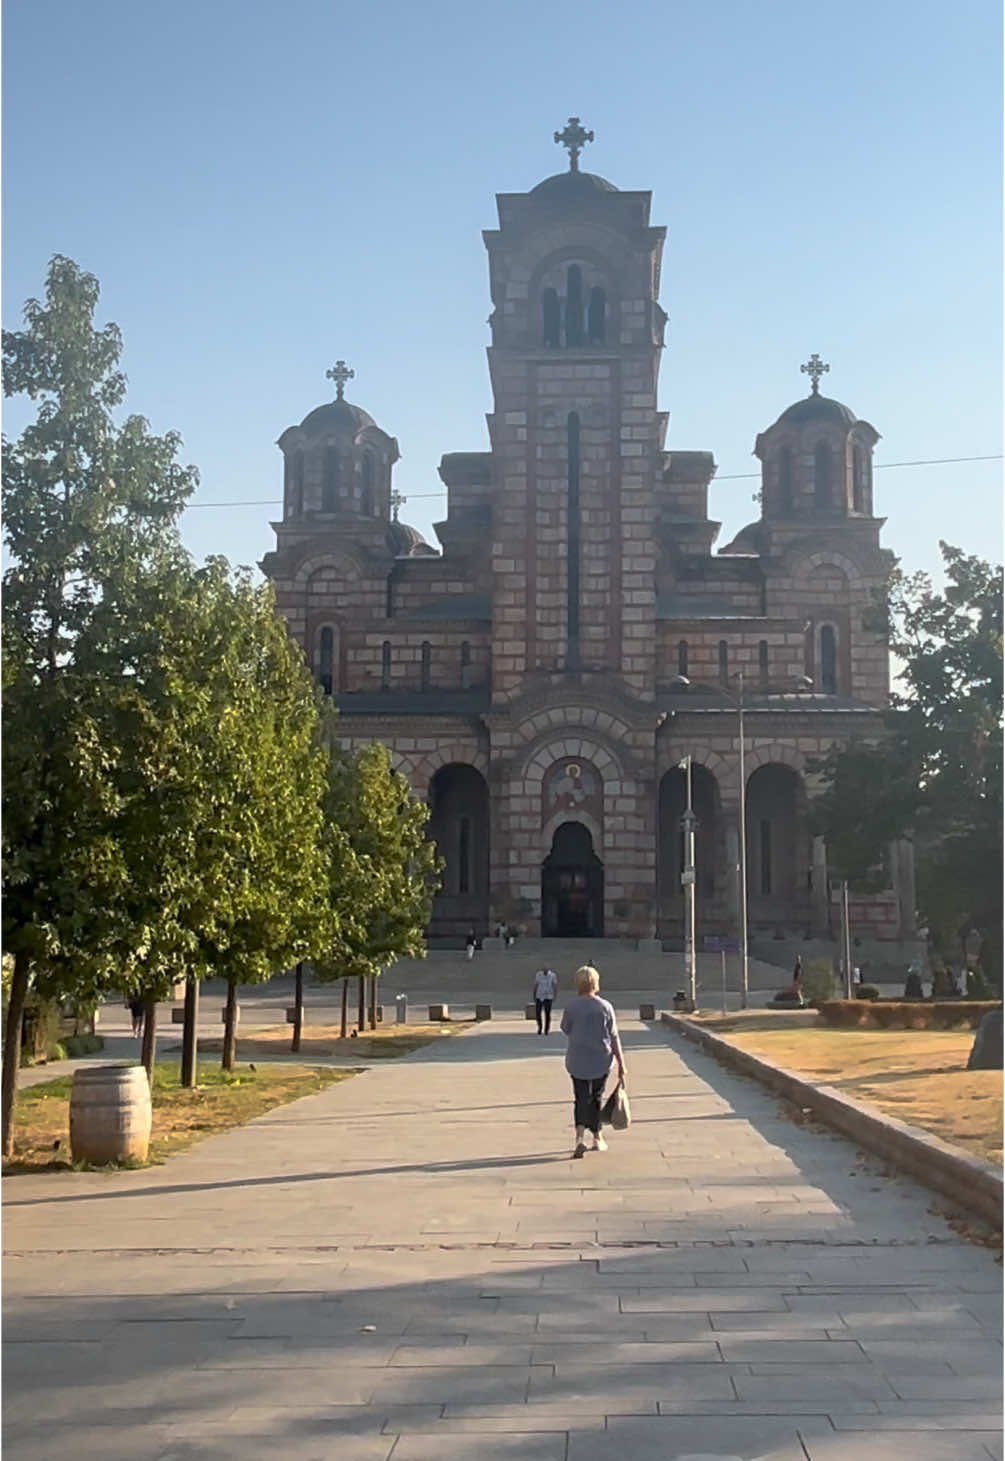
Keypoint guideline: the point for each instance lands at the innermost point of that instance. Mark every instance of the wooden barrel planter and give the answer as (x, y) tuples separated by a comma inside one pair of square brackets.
[(110, 1114)]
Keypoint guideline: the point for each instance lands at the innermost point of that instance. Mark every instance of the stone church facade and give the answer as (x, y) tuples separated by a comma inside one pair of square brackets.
[(541, 675)]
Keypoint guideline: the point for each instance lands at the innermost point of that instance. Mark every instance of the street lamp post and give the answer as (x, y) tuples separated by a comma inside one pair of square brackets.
[(688, 881), (744, 961)]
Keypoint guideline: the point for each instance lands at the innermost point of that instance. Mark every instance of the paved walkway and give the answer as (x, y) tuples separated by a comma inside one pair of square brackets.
[(410, 1266)]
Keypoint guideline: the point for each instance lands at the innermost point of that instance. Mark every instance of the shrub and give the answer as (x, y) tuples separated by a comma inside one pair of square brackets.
[(901, 1014), (913, 987), (818, 981), (77, 1045), (866, 991)]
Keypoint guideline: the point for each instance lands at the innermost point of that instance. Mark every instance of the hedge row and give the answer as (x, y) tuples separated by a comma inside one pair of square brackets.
[(903, 1014)]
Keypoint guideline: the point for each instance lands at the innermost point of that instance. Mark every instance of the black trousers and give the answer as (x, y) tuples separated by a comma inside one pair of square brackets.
[(589, 1094), (543, 1007)]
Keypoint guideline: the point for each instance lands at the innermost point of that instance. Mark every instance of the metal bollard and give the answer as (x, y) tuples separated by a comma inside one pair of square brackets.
[(401, 1009)]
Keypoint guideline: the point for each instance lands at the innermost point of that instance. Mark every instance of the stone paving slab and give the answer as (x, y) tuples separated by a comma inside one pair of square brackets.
[(410, 1265)]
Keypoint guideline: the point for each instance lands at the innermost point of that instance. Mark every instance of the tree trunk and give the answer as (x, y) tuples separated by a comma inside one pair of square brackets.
[(298, 1009), (189, 1036), (12, 1045), (149, 1037), (373, 1001), (230, 1027), (361, 1025), (344, 1031)]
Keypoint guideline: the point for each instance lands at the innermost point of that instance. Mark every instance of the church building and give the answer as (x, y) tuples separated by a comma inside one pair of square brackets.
[(544, 674)]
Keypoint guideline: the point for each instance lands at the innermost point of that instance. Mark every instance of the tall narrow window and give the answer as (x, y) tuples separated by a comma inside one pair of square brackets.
[(326, 659), (425, 662), (385, 665), (786, 491), (682, 657), (858, 479), (329, 484), (464, 855), (765, 830), (366, 491), (762, 661), (574, 306), (550, 318), (572, 554), (298, 484), (723, 662), (823, 494), (389, 596), (828, 660), (465, 666), (596, 319)]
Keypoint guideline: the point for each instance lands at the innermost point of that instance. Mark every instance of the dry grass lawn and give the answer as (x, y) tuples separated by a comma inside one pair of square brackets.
[(182, 1117), (919, 1076), (385, 1043)]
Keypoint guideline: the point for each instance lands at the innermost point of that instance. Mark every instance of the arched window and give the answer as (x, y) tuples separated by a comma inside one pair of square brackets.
[(298, 484), (682, 657), (858, 479), (385, 665), (786, 492), (329, 485), (828, 660), (366, 503), (326, 659), (425, 662), (762, 661), (465, 666), (550, 318), (723, 662), (572, 549), (596, 320), (823, 494), (574, 306)]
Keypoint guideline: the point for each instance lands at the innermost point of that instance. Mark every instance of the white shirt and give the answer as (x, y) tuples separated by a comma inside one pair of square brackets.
[(545, 984)]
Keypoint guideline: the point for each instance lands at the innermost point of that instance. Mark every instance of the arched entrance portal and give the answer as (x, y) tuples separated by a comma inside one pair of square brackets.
[(572, 886), (459, 825)]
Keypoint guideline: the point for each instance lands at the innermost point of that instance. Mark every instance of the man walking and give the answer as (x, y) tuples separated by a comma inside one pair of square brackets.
[(545, 986)]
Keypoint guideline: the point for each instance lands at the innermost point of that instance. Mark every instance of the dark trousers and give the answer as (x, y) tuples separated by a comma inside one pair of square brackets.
[(589, 1094), (543, 1007)]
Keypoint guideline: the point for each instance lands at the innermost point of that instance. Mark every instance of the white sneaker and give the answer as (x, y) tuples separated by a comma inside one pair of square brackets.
[(599, 1144)]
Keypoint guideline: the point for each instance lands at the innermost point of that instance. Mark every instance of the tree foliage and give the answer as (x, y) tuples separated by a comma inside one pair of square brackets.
[(937, 774)]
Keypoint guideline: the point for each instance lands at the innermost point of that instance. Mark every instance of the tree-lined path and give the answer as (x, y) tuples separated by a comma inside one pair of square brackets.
[(411, 1266)]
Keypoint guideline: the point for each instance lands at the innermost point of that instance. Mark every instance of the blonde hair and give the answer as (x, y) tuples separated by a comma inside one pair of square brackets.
[(587, 980)]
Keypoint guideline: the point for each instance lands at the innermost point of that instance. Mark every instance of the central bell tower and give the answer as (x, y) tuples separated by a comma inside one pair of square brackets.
[(577, 442)]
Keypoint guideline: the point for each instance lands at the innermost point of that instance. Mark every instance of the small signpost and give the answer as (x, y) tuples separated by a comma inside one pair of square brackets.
[(722, 946)]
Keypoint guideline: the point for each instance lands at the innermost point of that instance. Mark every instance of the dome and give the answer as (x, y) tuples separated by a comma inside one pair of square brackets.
[(818, 408), (748, 541), (336, 416), (569, 186), (406, 542)]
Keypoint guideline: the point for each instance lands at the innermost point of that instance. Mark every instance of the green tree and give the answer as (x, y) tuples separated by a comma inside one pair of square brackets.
[(383, 870), (84, 499), (937, 774)]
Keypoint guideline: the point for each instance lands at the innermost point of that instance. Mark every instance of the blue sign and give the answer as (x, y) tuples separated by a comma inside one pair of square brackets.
[(716, 945)]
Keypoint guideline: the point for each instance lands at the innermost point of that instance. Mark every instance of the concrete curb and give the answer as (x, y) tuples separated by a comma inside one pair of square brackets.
[(969, 1181)]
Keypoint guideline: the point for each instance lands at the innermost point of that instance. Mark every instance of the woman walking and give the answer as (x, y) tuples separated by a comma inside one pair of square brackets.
[(592, 1030)]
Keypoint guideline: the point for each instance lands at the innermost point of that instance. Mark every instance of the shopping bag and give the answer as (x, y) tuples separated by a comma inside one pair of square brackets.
[(616, 1110)]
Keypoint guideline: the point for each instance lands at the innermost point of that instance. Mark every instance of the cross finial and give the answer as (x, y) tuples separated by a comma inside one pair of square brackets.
[(396, 500), (340, 373), (815, 368), (573, 137)]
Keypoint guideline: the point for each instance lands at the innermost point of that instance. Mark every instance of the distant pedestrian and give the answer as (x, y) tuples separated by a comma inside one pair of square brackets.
[(545, 987), (137, 1008), (797, 970), (471, 943), (592, 1030)]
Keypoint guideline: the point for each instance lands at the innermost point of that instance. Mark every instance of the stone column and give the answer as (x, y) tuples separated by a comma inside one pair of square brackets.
[(821, 891), (902, 878)]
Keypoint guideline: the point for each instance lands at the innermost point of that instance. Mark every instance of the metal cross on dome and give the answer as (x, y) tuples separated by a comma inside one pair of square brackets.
[(574, 137), (340, 373), (815, 368), (396, 500)]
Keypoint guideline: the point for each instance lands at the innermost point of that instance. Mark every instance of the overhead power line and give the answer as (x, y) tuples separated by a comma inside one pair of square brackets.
[(724, 477)]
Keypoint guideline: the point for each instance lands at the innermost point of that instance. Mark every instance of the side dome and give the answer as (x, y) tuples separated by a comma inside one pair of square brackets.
[(566, 186), (818, 408), (406, 542), (338, 415)]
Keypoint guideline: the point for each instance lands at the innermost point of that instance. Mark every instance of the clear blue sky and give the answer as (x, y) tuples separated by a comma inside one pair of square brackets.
[(261, 188)]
